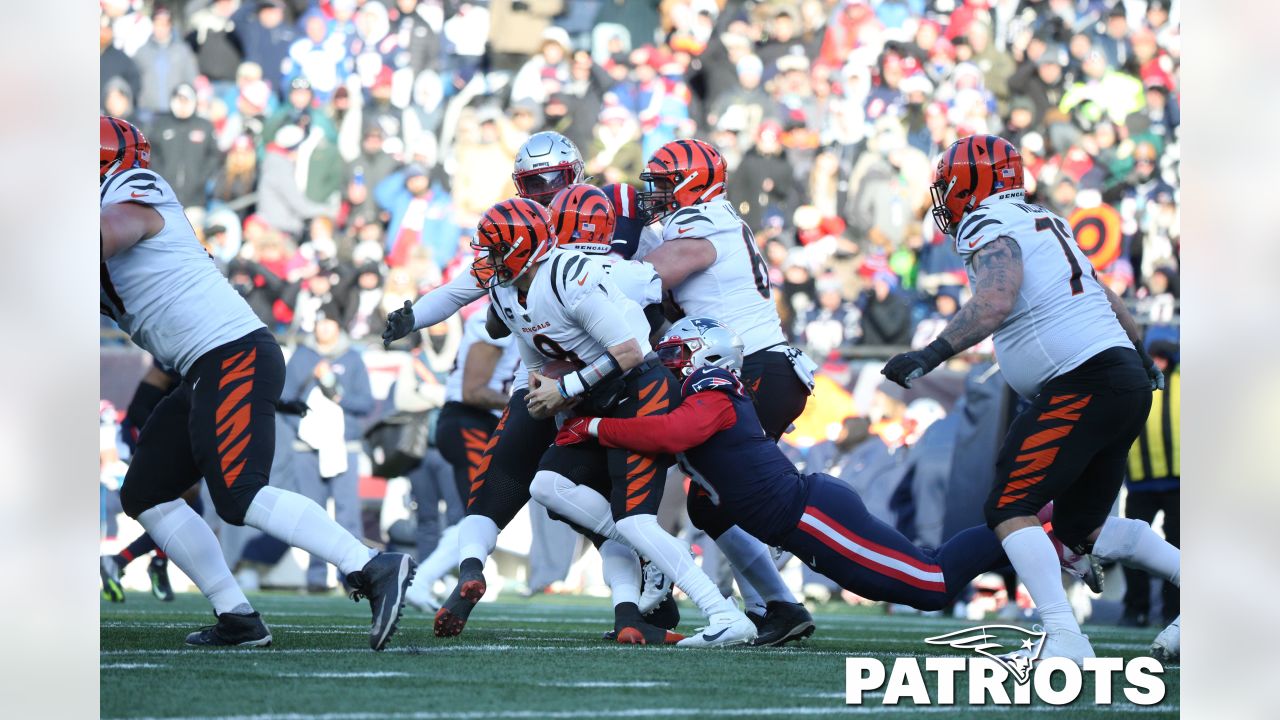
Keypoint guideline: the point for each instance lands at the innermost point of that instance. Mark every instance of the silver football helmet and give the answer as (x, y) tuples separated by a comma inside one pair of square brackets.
[(694, 343), (546, 163)]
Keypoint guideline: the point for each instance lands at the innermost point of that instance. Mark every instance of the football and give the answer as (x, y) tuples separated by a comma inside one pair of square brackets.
[(556, 369)]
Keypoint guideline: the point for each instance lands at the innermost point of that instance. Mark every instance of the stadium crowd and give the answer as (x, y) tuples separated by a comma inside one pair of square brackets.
[(335, 155), (339, 152)]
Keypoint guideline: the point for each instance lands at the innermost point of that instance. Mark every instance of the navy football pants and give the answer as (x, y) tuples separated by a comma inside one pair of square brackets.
[(839, 538)]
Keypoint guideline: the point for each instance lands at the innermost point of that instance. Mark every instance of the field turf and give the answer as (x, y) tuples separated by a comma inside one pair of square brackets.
[(537, 658)]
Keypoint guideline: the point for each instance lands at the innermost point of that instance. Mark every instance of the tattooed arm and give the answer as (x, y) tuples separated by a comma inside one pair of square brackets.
[(997, 273)]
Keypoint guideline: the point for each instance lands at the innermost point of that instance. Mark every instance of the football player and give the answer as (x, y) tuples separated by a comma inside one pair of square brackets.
[(1068, 345), (718, 439), (564, 307), (164, 290), (710, 263), (475, 394)]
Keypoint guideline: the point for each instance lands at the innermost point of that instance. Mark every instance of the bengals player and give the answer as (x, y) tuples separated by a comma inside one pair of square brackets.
[(1068, 345)]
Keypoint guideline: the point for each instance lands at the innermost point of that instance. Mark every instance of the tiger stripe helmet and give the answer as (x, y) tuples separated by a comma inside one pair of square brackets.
[(970, 171), (121, 146), (511, 237), (680, 174), (583, 219)]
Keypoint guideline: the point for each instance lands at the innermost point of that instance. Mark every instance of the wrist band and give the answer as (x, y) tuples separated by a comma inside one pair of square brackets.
[(941, 350), (571, 385)]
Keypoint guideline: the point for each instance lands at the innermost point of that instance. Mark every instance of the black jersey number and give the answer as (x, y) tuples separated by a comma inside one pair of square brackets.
[(552, 349), (759, 270), (1065, 239)]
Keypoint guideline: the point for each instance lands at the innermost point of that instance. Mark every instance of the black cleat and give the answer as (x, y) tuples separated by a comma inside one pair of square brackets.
[(666, 615), (109, 571), (629, 628), (383, 580), (451, 618), (781, 623), (158, 571), (233, 630)]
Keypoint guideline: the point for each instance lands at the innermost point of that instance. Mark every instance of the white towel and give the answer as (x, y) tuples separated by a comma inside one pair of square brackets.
[(324, 429)]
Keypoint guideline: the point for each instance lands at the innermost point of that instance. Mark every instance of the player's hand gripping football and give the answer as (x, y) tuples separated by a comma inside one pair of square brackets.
[(544, 398), (575, 431), (399, 324)]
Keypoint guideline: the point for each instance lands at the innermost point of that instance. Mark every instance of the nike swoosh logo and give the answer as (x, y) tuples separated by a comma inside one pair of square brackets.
[(137, 195), (682, 231), (975, 242), (710, 638), (583, 280)]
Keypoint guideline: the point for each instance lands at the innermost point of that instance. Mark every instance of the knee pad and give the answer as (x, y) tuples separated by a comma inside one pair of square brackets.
[(543, 487), (131, 503), (233, 508), (1119, 538), (704, 515)]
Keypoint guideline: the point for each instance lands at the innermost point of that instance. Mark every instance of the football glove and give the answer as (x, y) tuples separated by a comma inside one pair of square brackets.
[(575, 431), (399, 323), (1153, 372), (905, 367)]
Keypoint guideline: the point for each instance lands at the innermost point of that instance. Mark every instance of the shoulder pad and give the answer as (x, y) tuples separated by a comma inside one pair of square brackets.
[(712, 378), (137, 185), (693, 222), (573, 275)]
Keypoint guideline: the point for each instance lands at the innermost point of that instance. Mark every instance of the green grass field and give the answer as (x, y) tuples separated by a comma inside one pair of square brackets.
[(538, 658)]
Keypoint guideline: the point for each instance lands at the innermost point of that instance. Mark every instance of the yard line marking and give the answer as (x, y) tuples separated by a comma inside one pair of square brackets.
[(669, 712), (345, 675), (610, 684), (129, 666)]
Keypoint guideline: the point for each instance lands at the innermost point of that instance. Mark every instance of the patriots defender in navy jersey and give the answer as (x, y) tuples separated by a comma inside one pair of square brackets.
[(717, 438)]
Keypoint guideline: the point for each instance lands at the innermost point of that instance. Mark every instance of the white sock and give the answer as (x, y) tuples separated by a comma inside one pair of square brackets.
[(1133, 543), (672, 557), (300, 522), (753, 567), (189, 542), (621, 572), (477, 537), (1031, 553), (441, 560), (577, 503)]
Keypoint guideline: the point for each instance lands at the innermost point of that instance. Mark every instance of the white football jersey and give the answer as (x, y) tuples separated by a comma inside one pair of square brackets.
[(166, 291), (735, 289), (637, 280), (569, 285), (1062, 316), (504, 372)]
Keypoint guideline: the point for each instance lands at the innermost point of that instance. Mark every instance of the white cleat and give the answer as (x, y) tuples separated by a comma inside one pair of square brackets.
[(1060, 643), (725, 628), (419, 596), (1167, 646), (654, 589)]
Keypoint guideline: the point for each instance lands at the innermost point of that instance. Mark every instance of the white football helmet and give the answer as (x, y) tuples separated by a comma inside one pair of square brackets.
[(546, 163), (694, 343)]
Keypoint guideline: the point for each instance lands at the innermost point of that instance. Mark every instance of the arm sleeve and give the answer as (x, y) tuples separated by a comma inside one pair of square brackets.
[(698, 418), (437, 305)]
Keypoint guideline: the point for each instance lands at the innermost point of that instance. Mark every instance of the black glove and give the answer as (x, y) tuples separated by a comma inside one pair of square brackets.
[(905, 367), (1153, 372), (292, 407), (399, 324)]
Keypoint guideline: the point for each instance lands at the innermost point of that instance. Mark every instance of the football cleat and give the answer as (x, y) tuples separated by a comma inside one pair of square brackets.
[(654, 589), (1084, 567), (452, 617), (725, 628), (645, 634), (666, 615), (158, 571), (233, 630), (781, 623), (110, 572), (383, 581), (1059, 643), (1167, 646)]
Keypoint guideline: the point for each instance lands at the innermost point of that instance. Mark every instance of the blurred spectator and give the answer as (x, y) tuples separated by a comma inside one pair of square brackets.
[(762, 181), (484, 165), (833, 323), (1102, 92), (264, 36), (183, 149), (546, 72), (615, 155), (327, 374), (118, 100), (320, 56), (518, 29), (282, 204), (420, 215), (211, 36), (886, 315), (114, 64), (414, 33), (365, 318), (238, 176), (164, 63), (299, 109)]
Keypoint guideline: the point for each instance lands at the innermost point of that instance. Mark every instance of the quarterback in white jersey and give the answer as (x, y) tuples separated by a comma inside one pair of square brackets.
[(219, 423), (1067, 344), (710, 263)]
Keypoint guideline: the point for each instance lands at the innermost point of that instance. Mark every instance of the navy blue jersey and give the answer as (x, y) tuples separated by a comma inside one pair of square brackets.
[(741, 468)]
